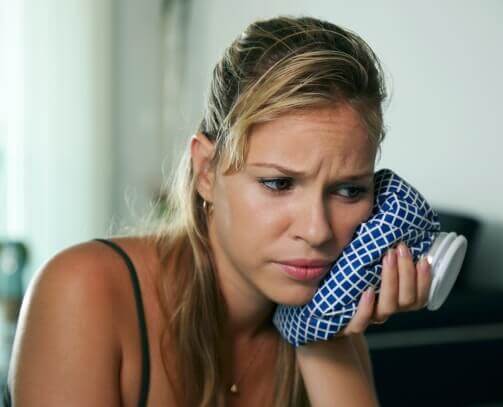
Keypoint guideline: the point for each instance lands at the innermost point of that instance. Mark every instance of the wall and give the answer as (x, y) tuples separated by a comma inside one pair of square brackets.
[(137, 104), (443, 69), (443, 61), (67, 126)]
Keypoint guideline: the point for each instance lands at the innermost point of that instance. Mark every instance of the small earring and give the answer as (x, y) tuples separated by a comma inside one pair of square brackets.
[(207, 206)]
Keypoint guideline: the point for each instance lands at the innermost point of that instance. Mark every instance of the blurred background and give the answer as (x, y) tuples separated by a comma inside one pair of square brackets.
[(99, 97)]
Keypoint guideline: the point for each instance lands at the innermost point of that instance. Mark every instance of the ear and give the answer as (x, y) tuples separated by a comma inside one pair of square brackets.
[(201, 151)]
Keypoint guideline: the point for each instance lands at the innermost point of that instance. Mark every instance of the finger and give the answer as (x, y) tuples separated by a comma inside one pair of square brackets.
[(424, 278), (361, 318), (387, 301), (407, 277)]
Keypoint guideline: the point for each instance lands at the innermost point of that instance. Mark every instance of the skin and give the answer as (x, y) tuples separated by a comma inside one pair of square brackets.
[(89, 327), (252, 227), (262, 215)]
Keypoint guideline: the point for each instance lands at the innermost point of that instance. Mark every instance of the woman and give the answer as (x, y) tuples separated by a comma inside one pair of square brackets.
[(279, 174)]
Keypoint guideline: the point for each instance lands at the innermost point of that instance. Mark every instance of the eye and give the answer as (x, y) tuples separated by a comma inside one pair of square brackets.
[(355, 191), (279, 185), (276, 184)]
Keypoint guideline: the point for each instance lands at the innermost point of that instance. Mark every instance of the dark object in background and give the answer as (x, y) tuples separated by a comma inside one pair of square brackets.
[(13, 258), (449, 357), (448, 374), (467, 226)]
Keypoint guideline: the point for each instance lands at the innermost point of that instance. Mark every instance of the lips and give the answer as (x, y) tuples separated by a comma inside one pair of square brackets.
[(302, 273), (307, 262)]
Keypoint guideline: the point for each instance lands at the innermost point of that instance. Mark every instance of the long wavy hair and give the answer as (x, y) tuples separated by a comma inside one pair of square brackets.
[(273, 66)]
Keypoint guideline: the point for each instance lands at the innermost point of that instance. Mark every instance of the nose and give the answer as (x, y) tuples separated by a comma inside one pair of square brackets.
[(312, 222)]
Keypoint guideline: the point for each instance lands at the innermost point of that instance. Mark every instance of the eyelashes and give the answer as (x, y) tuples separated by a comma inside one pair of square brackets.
[(267, 182), (283, 185)]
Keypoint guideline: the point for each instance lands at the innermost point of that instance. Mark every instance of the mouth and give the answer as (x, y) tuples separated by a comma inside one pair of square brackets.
[(304, 273)]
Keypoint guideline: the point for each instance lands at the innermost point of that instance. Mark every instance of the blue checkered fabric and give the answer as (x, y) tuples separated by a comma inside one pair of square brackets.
[(400, 213)]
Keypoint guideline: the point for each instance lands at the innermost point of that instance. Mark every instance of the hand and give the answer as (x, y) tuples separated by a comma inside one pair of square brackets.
[(405, 286)]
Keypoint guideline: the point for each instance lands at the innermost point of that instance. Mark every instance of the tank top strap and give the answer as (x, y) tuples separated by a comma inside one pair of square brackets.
[(145, 377)]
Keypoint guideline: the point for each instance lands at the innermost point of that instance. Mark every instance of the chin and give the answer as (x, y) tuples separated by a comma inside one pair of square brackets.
[(295, 296)]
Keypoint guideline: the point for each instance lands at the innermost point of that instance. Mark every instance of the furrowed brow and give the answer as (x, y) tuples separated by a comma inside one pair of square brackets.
[(289, 171), (284, 170)]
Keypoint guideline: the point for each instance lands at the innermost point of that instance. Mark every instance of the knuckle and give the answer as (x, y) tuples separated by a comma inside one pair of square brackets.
[(386, 312), (350, 329), (382, 316), (408, 302), (388, 308)]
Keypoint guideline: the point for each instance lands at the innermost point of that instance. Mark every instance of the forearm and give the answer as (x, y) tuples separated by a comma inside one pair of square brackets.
[(361, 347), (333, 374)]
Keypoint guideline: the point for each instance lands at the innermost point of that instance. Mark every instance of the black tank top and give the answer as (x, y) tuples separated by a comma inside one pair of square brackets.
[(145, 374)]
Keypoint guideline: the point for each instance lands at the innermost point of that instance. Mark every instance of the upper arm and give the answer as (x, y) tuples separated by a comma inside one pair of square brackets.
[(66, 350)]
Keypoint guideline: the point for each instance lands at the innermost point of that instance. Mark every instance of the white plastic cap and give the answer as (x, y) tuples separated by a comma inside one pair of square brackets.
[(446, 257)]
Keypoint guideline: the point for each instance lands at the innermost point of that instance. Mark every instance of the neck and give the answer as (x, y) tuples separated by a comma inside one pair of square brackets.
[(249, 311)]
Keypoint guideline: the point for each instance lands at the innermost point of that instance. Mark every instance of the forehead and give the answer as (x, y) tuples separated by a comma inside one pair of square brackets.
[(330, 135)]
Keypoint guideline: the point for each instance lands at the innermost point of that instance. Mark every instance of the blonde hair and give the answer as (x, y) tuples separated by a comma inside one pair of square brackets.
[(274, 66)]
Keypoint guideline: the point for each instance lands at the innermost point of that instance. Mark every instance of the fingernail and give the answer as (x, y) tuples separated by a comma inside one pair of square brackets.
[(390, 257), (402, 250), (368, 294), (424, 263)]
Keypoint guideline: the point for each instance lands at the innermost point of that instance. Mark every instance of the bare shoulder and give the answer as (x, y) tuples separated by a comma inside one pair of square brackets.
[(76, 274), (89, 271), (67, 325)]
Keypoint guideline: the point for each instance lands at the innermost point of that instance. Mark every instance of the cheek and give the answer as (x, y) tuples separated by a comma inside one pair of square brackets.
[(345, 226), (247, 217)]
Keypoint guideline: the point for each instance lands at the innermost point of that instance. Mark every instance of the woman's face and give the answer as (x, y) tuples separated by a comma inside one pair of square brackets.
[(265, 215)]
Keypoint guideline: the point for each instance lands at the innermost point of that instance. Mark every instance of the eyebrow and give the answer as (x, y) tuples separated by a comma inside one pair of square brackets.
[(288, 171)]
